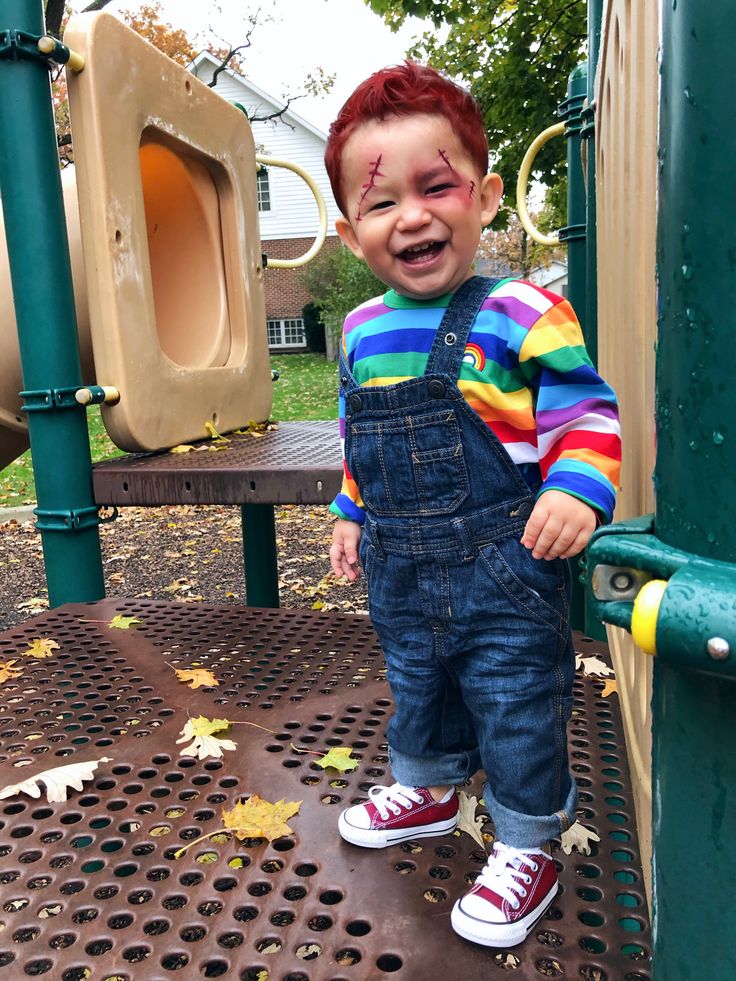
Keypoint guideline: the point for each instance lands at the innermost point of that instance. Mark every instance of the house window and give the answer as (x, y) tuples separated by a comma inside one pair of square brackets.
[(264, 190), (286, 333)]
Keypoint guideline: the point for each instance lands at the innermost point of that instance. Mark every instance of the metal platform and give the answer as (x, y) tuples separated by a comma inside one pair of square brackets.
[(91, 887), (298, 463)]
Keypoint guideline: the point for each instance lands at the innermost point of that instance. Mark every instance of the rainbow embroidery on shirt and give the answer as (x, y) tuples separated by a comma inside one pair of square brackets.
[(474, 356)]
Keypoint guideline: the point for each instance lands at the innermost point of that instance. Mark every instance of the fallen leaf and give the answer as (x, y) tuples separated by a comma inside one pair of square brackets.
[(41, 647), (181, 448), (258, 818), (592, 666), (57, 781), (119, 622), (49, 911), (609, 687), (579, 837), (8, 671), (204, 742), (339, 758), (213, 433), (199, 677), (466, 819)]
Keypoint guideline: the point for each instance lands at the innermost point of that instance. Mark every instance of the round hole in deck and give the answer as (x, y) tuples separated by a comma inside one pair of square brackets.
[(181, 195)]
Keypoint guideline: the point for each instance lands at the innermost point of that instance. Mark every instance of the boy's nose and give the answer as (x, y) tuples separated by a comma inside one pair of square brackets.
[(414, 214)]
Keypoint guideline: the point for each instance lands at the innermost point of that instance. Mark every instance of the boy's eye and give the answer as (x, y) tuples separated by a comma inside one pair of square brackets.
[(437, 188), (379, 205)]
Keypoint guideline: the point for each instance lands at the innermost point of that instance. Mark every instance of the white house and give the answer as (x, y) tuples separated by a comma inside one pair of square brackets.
[(288, 213)]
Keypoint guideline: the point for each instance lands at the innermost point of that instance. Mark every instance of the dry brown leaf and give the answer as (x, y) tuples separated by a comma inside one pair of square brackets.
[(466, 819), (609, 687), (258, 818)]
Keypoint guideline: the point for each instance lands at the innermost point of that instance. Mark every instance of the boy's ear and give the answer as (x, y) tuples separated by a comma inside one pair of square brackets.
[(491, 191), (347, 234)]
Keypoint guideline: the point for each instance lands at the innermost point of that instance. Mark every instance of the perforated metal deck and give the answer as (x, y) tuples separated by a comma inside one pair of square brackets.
[(298, 463), (91, 887)]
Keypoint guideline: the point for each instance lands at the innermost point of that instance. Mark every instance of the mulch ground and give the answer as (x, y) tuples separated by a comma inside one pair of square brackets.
[(187, 554)]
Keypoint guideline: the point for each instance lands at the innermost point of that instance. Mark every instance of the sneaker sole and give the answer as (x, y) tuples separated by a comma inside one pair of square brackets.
[(499, 934), (371, 838)]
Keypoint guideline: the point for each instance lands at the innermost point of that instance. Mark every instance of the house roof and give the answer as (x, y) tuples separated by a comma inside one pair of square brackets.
[(209, 60)]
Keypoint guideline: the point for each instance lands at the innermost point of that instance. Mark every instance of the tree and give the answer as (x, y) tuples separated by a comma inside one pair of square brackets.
[(338, 282), (516, 56)]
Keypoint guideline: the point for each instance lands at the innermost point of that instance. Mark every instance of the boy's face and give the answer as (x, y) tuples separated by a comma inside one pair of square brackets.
[(416, 203)]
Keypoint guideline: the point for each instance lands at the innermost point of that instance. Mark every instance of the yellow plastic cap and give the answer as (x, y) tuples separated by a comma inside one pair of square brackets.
[(645, 614)]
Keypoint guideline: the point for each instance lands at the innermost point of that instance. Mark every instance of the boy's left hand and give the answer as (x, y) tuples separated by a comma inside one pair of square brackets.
[(559, 526)]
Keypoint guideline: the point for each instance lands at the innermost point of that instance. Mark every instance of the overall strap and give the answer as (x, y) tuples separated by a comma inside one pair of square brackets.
[(448, 347)]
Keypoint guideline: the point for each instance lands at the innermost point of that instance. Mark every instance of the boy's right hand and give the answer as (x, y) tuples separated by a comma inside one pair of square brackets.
[(344, 550)]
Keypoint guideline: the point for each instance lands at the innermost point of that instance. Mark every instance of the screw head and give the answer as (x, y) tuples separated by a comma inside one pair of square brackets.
[(718, 648)]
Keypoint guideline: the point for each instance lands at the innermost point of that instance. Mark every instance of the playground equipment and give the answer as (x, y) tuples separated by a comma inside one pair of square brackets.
[(162, 202)]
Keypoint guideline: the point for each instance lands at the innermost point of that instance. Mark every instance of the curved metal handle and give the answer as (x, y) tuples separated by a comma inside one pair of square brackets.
[(321, 235), (521, 184)]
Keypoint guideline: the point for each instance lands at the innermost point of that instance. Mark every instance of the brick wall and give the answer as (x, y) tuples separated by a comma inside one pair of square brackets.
[(285, 295)]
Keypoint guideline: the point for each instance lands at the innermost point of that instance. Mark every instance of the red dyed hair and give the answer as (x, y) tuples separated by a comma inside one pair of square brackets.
[(404, 90)]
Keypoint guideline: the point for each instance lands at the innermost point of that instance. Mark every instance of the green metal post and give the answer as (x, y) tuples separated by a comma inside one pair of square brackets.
[(259, 549), (44, 306), (694, 766), (573, 234), (595, 9)]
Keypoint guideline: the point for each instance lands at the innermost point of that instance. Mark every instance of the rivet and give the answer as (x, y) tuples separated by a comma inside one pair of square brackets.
[(450, 339), (718, 648)]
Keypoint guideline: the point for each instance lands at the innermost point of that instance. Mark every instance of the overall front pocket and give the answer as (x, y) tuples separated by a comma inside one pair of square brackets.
[(414, 464)]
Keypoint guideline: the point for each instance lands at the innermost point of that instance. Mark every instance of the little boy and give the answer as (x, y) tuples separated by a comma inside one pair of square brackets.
[(481, 449)]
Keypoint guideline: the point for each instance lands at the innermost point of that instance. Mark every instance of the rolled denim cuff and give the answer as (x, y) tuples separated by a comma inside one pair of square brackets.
[(436, 771), (530, 830)]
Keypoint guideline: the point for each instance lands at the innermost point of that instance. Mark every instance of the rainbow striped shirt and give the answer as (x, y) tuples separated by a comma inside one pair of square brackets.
[(525, 372)]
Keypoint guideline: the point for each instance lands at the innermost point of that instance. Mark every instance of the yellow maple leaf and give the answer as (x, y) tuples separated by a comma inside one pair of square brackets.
[(7, 670), (339, 758), (202, 726), (258, 818), (181, 448), (197, 676), (609, 687), (123, 623), (41, 647)]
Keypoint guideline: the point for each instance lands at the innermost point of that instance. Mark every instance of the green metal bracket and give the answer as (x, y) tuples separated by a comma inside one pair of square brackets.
[(73, 519), (694, 616), (50, 399), (20, 45)]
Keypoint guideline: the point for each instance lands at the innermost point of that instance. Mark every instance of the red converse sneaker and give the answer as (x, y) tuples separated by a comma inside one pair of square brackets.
[(398, 813), (509, 896)]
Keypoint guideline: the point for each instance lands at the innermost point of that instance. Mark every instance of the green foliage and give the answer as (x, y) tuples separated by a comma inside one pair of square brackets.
[(516, 56), (314, 328), (338, 282)]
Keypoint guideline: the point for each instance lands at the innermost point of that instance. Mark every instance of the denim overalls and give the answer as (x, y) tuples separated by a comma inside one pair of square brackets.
[(474, 629)]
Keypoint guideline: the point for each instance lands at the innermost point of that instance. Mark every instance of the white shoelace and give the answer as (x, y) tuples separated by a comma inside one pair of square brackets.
[(503, 874), (394, 799)]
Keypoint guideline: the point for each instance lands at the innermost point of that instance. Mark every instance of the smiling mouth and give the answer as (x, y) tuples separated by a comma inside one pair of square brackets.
[(417, 255)]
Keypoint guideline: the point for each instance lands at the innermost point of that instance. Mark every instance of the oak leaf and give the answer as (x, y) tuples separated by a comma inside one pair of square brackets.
[(466, 819), (258, 818), (592, 666), (57, 781), (204, 741), (199, 677), (8, 670), (41, 647), (339, 758), (579, 837)]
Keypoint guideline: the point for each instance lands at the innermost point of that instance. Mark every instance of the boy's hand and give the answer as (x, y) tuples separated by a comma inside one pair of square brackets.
[(559, 526), (344, 550)]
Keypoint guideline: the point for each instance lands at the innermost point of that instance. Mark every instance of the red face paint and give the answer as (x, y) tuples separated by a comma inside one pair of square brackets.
[(371, 183), (443, 154), (471, 192)]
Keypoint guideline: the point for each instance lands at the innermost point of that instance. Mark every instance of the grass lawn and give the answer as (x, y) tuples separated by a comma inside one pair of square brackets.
[(306, 389)]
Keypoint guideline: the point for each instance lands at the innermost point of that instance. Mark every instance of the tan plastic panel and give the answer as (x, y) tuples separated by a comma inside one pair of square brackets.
[(13, 423), (626, 194), (166, 178)]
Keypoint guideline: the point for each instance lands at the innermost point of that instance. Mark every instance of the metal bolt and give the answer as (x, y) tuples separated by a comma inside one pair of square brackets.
[(622, 581), (718, 648)]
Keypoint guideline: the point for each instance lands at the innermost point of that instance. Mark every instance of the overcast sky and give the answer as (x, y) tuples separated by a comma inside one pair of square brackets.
[(340, 36)]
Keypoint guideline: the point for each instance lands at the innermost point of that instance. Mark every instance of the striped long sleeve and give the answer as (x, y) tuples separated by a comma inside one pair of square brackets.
[(525, 372)]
